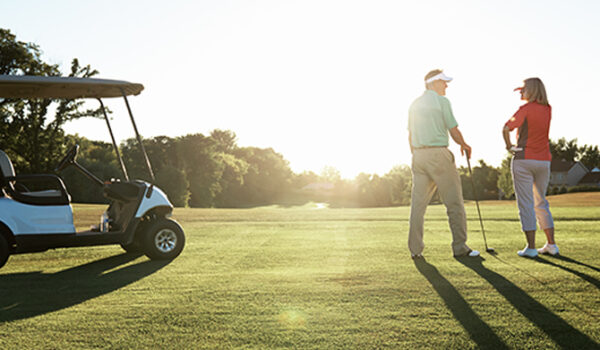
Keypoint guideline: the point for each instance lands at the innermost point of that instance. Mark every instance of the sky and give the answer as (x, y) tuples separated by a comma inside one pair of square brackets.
[(325, 83)]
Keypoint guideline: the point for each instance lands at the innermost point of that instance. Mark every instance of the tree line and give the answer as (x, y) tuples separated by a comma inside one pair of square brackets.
[(213, 171)]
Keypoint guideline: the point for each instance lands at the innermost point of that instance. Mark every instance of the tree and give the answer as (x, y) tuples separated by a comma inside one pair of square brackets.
[(225, 140), (166, 163), (330, 174), (161, 150), (401, 184), (563, 149), (193, 170), (34, 141), (304, 178), (485, 181), (364, 191), (232, 179), (505, 182), (487, 178), (20, 58), (233, 168), (173, 181), (203, 168), (589, 156), (376, 192), (268, 179)]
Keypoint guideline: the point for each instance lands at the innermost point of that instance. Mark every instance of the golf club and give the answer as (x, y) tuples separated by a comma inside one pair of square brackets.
[(487, 249)]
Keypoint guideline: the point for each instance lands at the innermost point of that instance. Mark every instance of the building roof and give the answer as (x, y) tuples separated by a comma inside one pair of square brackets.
[(560, 165), (590, 178)]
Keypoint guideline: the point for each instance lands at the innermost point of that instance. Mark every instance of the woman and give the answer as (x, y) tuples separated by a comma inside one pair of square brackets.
[(531, 165)]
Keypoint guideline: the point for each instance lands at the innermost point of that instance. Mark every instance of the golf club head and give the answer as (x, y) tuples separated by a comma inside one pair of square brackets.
[(491, 251)]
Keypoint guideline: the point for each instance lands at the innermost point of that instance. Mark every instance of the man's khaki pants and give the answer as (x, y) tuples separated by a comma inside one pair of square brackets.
[(434, 168)]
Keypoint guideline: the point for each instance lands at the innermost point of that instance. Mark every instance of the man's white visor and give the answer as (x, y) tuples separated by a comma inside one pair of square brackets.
[(440, 76)]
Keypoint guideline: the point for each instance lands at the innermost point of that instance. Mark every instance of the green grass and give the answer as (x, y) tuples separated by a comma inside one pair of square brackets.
[(313, 278)]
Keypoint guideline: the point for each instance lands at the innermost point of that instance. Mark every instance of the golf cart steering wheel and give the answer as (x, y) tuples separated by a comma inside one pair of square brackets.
[(68, 159)]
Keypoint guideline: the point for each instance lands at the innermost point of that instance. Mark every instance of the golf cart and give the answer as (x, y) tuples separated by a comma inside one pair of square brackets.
[(35, 210)]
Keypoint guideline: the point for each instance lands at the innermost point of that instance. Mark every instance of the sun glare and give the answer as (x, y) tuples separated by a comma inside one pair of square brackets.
[(292, 319)]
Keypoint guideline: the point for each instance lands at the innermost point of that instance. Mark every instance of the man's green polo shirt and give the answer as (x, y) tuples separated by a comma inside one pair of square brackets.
[(429, 119)]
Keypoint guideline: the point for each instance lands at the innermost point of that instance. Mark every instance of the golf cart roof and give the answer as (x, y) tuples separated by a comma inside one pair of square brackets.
[(28, 86)]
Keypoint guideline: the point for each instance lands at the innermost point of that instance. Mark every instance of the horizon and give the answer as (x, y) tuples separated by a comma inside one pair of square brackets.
[(327, 83)]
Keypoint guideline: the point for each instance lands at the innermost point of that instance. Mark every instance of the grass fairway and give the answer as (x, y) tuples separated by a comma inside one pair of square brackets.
[(314, 278)]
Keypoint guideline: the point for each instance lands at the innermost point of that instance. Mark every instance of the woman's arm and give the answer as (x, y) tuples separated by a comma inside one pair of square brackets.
[(506, 135)]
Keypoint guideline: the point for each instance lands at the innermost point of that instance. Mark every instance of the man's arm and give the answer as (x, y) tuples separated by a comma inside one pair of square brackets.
[(410, 142), (458, 138)]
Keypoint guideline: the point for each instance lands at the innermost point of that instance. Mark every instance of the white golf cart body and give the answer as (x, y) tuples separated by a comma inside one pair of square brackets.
[(33, 221), (27, 219), (24, 219)]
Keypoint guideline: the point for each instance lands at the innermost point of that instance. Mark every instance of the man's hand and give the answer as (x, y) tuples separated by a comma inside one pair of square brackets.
[(458, 138), (464, 148)]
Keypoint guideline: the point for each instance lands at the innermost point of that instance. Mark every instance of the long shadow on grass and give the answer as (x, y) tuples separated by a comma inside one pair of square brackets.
[(24, 295), (581, 275), (563, 334), (478, 330), (573, 261)]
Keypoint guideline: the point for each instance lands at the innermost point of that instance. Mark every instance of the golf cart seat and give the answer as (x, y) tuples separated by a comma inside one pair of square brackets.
[(52, 189), (123, 191)]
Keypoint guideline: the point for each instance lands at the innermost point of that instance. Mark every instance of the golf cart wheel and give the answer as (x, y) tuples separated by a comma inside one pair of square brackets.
[(163, 240), (4, 253)]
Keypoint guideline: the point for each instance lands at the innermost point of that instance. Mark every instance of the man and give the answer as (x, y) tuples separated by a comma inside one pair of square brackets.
[(430, 119)]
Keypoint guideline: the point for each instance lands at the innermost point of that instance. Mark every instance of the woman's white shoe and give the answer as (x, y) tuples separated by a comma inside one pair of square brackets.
[(551, 249)]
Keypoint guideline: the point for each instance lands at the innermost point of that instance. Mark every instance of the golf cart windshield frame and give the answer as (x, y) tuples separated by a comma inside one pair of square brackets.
[(31, 87)]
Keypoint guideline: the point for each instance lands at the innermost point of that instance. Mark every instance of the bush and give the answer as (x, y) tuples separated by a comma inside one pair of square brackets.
[(584, 188)]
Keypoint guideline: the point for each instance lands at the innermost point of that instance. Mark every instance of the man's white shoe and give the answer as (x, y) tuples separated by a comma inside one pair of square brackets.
[(551, 249), (473, 253), (470, 254), (528, 252)]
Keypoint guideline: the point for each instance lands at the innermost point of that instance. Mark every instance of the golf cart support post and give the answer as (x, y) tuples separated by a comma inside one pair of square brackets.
[(138, 211)]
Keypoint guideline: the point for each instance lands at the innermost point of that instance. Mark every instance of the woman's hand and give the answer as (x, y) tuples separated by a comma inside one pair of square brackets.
[(514, 149)]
